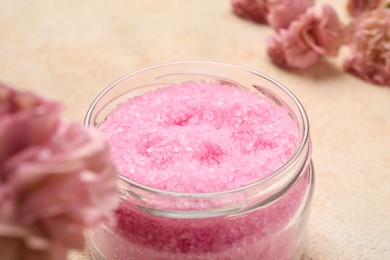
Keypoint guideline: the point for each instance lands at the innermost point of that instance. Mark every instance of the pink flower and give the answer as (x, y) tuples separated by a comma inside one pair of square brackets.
[(54, 183), (357, 7), (25, 120), (254, 10), (370, 48), (283, 12), (18, 241), (288, 50), (329, 33), (311, 36)]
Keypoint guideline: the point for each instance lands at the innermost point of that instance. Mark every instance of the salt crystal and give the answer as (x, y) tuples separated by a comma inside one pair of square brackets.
[(230, 137)]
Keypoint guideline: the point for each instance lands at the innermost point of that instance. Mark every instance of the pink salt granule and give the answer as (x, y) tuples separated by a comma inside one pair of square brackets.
[(269, 233), (203, 137), (199, 137)]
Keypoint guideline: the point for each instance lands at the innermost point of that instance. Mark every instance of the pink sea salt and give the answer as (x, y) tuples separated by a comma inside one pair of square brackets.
[(203, 137), (199, 137)]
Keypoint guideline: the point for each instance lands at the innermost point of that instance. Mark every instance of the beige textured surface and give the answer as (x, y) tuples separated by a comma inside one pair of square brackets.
[(71, 50)]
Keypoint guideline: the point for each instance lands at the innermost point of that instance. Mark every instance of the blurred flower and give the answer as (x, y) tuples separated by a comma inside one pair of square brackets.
[(56, 179), (18, 241), (370, 48), (311, 36), (254, 10), (330, 33), (25, 120), (282, 12), (288, 50), (357, 7)]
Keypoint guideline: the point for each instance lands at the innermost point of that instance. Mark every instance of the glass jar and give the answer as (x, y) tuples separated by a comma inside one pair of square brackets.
[(266, 219)]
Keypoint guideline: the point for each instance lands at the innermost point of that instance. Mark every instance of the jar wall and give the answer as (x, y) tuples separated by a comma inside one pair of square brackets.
[(264, 221), (254, 235)]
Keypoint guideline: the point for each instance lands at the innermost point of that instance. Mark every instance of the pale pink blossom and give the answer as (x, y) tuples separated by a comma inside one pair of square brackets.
[(357, 7), (330, 33), (288, 50), (312, 35), (54, 184), (254, 10), (282, 12), (19, 241), (25, 120), (370, 48)]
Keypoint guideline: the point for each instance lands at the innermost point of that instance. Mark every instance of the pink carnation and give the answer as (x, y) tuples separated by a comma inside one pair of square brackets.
[(370, 48), (254, 10), (283, 12), (357, 7), (55, 181), (25, 120), (290, 51), (311, 36)]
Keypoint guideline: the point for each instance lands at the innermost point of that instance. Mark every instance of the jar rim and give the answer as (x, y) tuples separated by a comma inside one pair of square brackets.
[(194, 195)]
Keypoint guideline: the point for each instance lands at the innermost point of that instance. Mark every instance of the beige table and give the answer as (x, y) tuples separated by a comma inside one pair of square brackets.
[(71, 50)]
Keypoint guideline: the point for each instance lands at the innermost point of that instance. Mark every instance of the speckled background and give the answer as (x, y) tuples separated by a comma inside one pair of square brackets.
[(71, 50)]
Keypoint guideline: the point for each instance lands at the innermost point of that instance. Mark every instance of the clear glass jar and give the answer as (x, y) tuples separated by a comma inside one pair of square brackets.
[(266, 219)]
